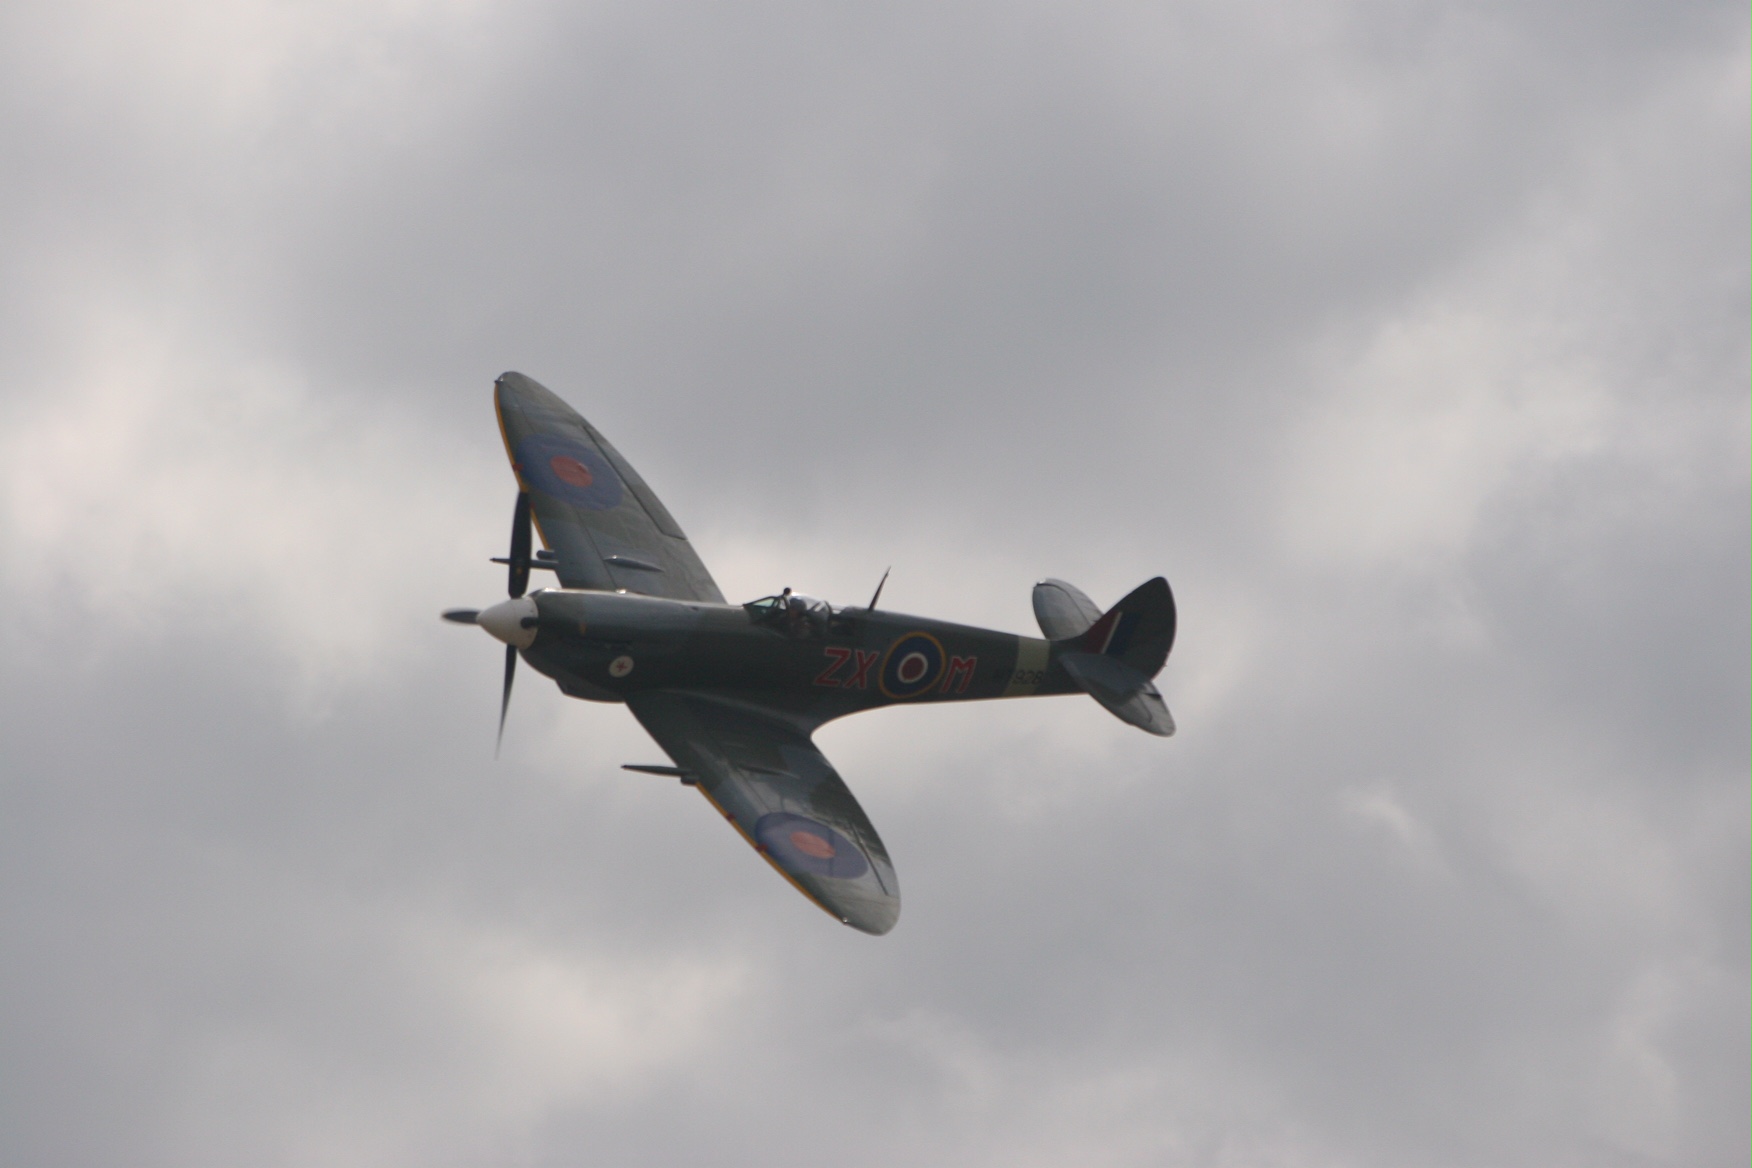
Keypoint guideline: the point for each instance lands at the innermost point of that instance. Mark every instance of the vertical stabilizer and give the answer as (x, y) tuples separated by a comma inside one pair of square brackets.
[(1139, 630)]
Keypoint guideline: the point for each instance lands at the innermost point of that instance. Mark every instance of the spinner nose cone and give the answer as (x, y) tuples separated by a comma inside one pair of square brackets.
[(511, 621)]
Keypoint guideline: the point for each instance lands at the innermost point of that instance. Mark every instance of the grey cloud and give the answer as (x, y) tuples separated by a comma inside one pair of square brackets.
[(1410, 342)]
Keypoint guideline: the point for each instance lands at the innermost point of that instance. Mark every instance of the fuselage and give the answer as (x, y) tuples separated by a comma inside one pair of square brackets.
[(605, 646)]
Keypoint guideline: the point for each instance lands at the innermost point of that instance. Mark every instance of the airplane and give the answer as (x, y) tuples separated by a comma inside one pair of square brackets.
[(734, 692)]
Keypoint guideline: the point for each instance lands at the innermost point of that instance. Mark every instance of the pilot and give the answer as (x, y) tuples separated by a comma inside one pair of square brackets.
[(796, 614), (802, 616)]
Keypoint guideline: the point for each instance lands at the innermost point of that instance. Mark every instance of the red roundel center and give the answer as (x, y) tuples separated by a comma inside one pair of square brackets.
[(570, 470), (811, 844), (912, 667)]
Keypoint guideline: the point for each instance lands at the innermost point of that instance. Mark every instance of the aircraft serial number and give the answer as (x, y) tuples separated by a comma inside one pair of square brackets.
[(1027, 676)]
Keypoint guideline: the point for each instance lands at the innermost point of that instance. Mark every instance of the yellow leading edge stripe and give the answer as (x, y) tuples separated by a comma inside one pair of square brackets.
[(763, 854), (511, 457)]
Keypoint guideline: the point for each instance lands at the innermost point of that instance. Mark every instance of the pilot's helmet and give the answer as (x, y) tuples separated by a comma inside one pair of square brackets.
[(807, 608)]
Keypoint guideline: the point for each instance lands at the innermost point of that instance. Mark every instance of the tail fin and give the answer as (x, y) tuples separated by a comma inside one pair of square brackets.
[(1113, 656), (1139, 630)]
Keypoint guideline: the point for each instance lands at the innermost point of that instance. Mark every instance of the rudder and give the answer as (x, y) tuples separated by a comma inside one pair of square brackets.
[(1138, 631)]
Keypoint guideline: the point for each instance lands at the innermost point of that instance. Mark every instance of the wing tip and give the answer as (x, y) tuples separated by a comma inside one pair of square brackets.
[(873, 928), (875, 915)]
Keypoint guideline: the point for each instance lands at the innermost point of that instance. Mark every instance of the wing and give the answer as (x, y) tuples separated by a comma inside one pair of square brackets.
[(768, 779), (605, 527)]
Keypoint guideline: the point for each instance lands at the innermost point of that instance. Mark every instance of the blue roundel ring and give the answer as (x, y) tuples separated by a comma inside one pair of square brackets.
[(568, 470), (913, 665), (802, 844)]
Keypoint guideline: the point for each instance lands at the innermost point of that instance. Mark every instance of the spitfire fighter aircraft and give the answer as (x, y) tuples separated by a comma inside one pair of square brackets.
[(733, 693)]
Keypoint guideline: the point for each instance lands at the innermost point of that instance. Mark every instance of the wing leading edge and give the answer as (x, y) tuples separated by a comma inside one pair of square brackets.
[(606, 528), (769, 780)]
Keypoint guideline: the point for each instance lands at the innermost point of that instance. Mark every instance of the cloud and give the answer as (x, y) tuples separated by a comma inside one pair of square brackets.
[(1408, 342)]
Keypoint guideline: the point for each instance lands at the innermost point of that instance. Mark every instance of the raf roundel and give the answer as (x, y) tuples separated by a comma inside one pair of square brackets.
[(802, 844), (913, 665), (568, 470), (571, 472)]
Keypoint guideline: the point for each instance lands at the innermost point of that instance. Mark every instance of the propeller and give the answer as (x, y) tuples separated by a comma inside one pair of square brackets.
[(511, 621), (516, 584), (505, 698), (517, 581)]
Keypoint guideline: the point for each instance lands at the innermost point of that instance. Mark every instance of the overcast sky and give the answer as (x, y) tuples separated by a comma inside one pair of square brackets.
[(1409, 341)]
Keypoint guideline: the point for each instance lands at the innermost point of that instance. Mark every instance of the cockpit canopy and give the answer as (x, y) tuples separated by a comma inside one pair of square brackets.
[(792, 613)]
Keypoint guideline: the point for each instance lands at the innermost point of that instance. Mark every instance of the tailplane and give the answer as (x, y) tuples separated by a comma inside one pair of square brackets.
[(1112, 655), (1062, 609)]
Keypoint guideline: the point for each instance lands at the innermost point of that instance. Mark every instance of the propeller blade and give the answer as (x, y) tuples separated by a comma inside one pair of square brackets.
[(461, 616), (505, 699), (518, 582)]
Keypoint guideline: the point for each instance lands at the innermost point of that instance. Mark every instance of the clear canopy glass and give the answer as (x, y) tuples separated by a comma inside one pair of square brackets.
[(792, 613)]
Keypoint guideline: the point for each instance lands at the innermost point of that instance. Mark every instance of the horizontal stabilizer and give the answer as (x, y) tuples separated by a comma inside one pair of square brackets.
[(1062, 610), (1122, 690)]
